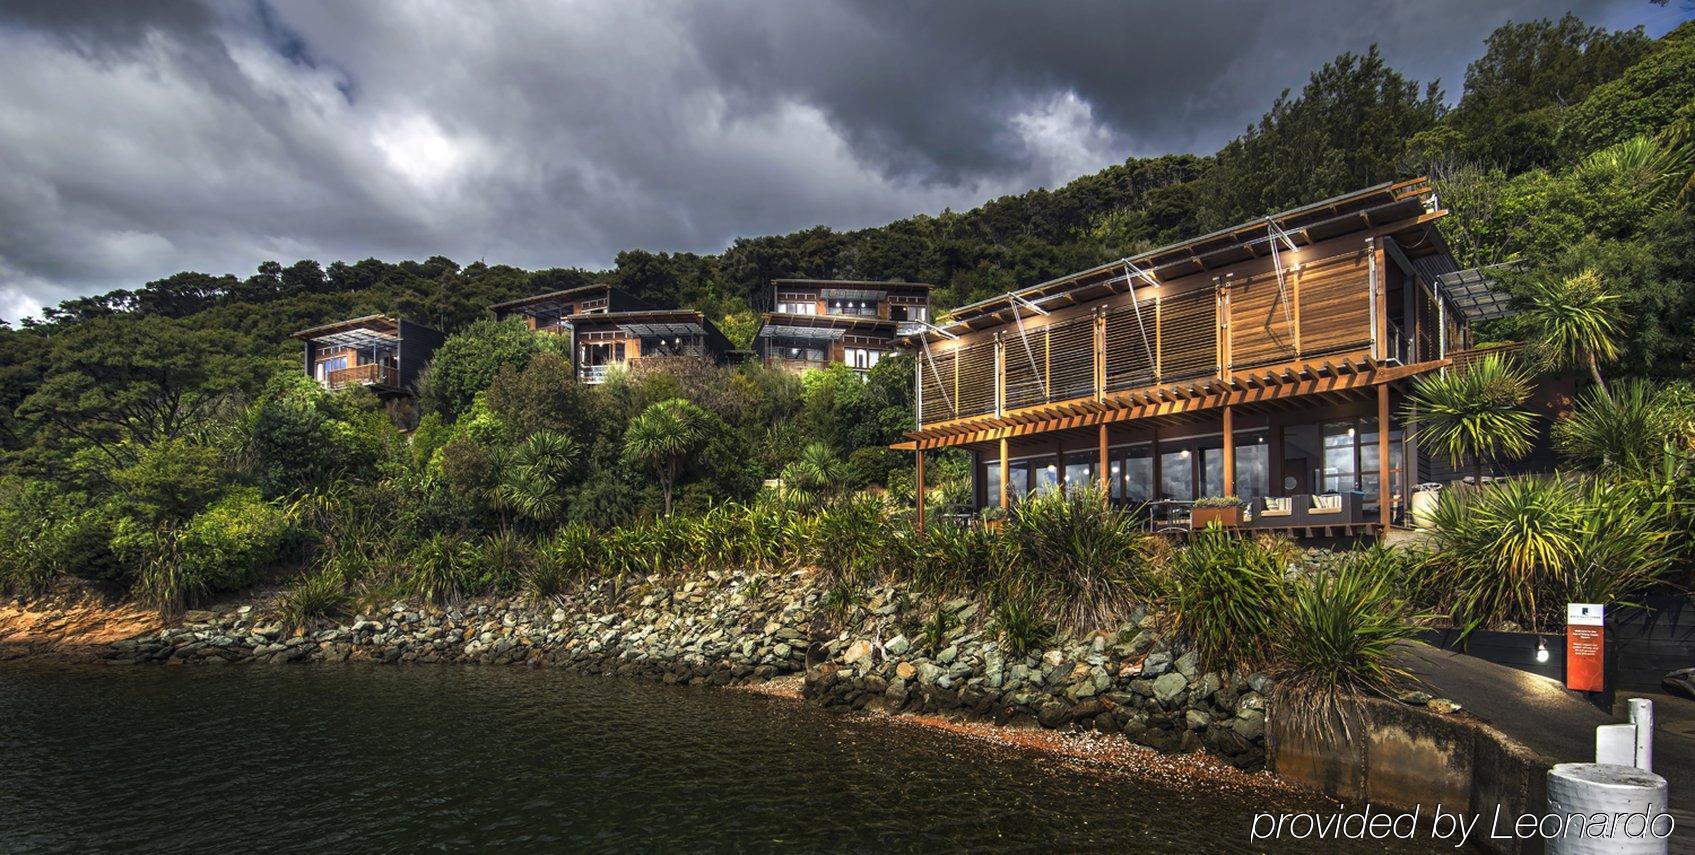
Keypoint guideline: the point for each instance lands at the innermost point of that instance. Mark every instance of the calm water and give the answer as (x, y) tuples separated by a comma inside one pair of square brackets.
[(352, 759)]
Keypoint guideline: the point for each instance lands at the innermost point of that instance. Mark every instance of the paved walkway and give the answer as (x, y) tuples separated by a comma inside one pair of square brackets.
[(1560, 725)]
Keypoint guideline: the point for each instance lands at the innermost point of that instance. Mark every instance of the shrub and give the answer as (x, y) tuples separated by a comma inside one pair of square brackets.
[(1018, 623), (1517, 551), (505, 559), (952, 559), (441, 570), (80, 545), (227, 546), (1338, 631), (573, 553), (468, 361), (850, 540), (1089, 559), (317, 596), (1224, 592)]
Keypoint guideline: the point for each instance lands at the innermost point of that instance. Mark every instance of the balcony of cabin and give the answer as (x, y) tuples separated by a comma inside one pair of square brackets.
[(376, 352)]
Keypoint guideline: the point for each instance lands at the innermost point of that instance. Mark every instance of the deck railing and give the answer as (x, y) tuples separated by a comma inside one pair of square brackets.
[(370, 374)]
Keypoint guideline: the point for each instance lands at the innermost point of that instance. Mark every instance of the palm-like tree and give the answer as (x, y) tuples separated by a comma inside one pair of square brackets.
[(1476, 411), (1574, 322), (817, 475), (661, 437), (532, 480)]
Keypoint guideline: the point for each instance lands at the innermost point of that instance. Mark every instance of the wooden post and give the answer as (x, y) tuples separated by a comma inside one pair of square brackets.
[(1229, 450), (918, 489), (1105, 471), (1059, 466), (1383, 485), (1006, 476)]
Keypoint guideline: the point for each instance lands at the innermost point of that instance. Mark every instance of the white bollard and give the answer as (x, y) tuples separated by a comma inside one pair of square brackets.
[(1642, 715), (1630, 803), (1615, 744)]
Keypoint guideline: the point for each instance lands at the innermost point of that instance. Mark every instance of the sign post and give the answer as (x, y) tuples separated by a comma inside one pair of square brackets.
[(1585, 647)]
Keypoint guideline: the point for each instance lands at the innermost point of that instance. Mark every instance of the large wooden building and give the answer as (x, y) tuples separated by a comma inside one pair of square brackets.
[(604, 341), (1265, 361), (380, 352)]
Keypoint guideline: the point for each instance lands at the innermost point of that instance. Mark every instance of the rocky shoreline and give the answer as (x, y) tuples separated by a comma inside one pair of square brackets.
[(729, 628)]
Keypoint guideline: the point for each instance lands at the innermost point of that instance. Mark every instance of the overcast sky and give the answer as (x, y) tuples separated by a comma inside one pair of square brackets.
[(144, 137)]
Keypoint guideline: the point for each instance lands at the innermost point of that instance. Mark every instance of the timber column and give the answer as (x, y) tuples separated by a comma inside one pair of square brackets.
[(918, 489), (1005, 475), (1383, 475), (1105, 476), (1229, 450)]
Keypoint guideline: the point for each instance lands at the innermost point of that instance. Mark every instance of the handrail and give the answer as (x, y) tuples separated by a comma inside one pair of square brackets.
[(369, 374)]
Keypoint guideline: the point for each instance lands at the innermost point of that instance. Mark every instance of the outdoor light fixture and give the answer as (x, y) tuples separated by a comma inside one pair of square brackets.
[(1350, 432), (1541, 650)]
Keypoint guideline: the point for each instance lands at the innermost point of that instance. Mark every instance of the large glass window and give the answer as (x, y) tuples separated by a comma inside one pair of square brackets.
[(1177, 475), (862, 358), (1079, 473), (1047, 477), (1212, 471), (1341, 470), (1253, 472), (1139, 474)]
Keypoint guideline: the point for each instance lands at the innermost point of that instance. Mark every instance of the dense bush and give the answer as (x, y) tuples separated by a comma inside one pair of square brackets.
[(234, 541), (1088, 562), (1224, 594), (1341, 624)]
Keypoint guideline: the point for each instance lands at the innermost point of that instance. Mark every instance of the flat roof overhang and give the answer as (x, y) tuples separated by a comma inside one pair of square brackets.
[(552, 301), (1273, 390), (356, 332)]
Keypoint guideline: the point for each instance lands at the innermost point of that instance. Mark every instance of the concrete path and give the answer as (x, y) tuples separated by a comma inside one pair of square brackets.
[(1542, 715)]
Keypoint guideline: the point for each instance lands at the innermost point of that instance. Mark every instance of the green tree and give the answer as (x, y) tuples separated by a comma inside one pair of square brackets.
[(1476, 411), (817, 476), (1574, 321), (1346, 130), (1649, 96), (468, 361), (533, 479), (120, 384), (662, 438), (304, 436)]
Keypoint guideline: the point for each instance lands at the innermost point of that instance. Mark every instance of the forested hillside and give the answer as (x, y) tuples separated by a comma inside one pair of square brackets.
[(144, 418)]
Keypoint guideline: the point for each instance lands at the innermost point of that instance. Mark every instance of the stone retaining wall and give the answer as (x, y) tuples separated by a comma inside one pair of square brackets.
[(730, 628)]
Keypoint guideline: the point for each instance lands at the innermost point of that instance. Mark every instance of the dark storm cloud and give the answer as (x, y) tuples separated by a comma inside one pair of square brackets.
[(141, 138)]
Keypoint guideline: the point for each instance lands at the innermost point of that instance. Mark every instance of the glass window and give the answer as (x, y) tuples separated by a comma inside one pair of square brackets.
[(1019, 486), (1177, 475), (861, 358), (1047, 477), (1212, 471), (992, 484), (1253, 472), (1079, 473), (1340, 471), (1139, 475)]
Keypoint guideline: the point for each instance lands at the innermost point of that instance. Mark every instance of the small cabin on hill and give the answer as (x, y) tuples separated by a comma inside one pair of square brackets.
[(603, 341), (821, 322), (379, 352), (551, 312), (1258, 370)]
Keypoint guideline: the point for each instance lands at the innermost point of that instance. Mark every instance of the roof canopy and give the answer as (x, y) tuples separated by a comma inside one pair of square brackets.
[(662, 330), (1476, 293), (808, 333), (359, 332), (852, 294), (552, 301)]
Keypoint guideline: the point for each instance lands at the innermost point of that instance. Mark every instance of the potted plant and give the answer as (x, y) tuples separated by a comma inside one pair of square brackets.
[(994, 517), (1224, 510)]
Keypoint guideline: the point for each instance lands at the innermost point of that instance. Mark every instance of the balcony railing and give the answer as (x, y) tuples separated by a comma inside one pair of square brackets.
[(371, 374), (593, 373)]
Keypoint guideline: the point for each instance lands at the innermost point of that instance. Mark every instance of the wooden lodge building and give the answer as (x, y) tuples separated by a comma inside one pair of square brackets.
[(380, 352), (1265, 361), (820, 322), (603, 341), (551, 312), (613, 328)]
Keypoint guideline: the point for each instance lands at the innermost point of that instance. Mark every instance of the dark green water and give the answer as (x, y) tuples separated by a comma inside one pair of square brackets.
[(360, 759)]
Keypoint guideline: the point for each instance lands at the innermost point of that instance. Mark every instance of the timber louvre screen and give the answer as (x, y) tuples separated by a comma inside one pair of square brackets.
[(1335, 305), (1188, 336), (1071, 359), (976, 395), (936, 386), (1129, 363)]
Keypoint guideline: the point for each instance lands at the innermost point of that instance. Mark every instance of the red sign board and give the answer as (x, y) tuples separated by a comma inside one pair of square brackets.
[(1585, 647)]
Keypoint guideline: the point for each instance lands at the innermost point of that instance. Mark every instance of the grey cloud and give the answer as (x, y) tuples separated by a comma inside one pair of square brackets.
[(141, 138)]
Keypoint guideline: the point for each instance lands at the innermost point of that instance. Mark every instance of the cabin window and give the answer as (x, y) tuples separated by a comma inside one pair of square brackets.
[(1253, 468), (1341, 450), (334, 363), (1139, 474), (1047, 478), (808, 307), (862, 358)]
